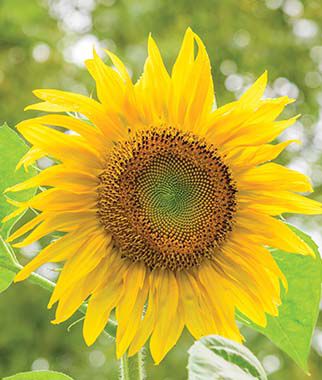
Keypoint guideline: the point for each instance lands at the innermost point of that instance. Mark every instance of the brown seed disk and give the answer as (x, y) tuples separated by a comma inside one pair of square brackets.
[(167, 198)]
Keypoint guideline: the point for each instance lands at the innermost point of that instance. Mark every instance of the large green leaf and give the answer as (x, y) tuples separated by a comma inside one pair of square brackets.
[(39, 375), (217, 358), (12, 148), (292, 329)]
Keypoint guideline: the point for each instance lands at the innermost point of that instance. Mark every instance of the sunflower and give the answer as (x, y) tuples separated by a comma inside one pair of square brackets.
[(164, 204)]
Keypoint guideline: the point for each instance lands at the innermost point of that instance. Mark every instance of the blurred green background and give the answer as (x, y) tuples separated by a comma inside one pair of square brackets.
[(43, 43)]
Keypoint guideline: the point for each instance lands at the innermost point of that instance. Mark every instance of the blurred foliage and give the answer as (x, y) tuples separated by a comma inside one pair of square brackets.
[(42, 44)]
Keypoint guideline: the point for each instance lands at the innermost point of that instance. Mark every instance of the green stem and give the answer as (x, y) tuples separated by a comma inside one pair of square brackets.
[(34, 278), (132, 368)]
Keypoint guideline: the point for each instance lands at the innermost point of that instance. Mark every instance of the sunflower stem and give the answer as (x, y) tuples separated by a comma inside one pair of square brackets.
[(132, 368), (34, 278)]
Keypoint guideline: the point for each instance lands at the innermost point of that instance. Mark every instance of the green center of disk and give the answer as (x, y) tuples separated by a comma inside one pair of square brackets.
[(174, 194)]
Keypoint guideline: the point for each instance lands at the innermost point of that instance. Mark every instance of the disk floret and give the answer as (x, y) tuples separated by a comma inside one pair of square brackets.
[(167, 198)]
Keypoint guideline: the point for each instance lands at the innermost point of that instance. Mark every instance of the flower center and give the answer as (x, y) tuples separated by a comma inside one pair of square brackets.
[(167, 198)]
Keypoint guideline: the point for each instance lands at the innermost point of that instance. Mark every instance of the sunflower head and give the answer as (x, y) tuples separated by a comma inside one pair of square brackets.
[(165, 203)]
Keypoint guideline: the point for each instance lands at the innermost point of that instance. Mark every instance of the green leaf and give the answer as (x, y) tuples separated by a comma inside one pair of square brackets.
[(12, 148), (7, 261), (293, 328), (39, 375), (217, 358)]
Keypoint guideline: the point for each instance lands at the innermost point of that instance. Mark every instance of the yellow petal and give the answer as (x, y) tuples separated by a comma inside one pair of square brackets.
[(26, 227), (174, 327), (152, 89), (130, 103), (93, 110), (253, 95), (119, 66), (99, 308), (220, 301), (20, 210), (242, 158), (68, 148), (272, 177), (194, 318), (30, 158), (61, 177), (127, 330), (45, 107), (51, 222), (279, 202), (240, 124), (146, 326), (167, 306), (133, 282), (256, 254), (180, 78), (58, 250), (201, 91), (191, 93), (255, 277), (95, 248), (269, 231), (269, 110), (74, 296), (256, 134), (226, 121), (57, 200), (90, 133), (110, 86)]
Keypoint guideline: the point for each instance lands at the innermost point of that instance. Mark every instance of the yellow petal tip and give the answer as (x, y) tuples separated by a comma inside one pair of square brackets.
[(19, 277), (88, 340), (18, 245), (28, 108)]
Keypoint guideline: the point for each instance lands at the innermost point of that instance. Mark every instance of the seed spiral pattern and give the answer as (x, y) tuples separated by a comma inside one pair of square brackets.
[(167, 198)]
